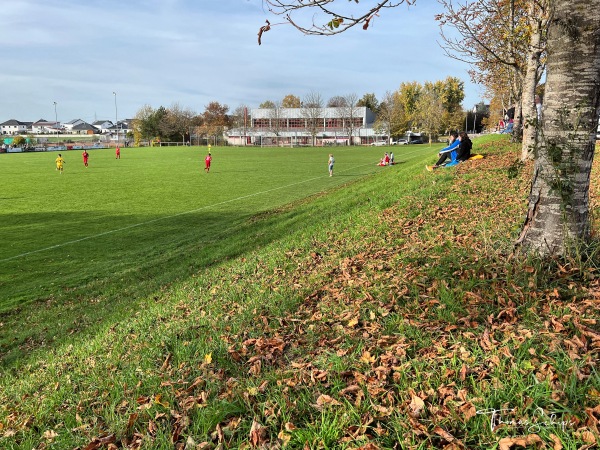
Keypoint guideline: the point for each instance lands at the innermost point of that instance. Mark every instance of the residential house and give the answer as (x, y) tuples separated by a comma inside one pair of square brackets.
[(69, 125), (121, 129), (44, 126), (13, 126), (126, 125), (103, 125), (84, 128)]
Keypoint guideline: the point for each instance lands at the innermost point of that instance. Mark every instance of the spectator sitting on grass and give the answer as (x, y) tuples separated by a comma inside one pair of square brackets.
[(446, 152), (464, 148)]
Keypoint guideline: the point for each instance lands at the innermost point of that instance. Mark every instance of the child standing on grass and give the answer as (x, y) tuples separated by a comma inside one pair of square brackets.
[(85, 155), (330, 164), (59, 163), (207, 162), (118, 153)]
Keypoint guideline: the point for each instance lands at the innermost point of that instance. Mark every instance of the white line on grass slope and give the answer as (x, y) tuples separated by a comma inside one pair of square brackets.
[(129, 227)]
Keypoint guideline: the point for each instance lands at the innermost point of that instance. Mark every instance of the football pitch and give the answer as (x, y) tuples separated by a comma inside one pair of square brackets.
[(104, 226)]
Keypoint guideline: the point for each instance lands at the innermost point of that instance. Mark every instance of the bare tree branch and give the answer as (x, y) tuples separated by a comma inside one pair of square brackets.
[(341, 19)]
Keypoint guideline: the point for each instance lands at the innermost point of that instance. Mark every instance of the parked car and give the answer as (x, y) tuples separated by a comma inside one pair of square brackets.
[(400, 142), (379, 143), (416, 141)]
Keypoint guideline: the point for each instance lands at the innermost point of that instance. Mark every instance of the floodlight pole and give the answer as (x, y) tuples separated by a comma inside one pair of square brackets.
[(116, 118), (56, 121)]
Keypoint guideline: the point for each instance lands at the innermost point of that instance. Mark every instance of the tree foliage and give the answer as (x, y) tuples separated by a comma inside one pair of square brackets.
[(433, 107), (146, 124), (389, 109), (408, 97), (290, 101), (370, 101), (504, 42), (215, 120), (429, 110), (176, 123), (267, 104), (19, 141), (171, 124)]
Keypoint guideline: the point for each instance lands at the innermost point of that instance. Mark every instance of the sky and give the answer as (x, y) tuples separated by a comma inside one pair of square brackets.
[(105, 59)]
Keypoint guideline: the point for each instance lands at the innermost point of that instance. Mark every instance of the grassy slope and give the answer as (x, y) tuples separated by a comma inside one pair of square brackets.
[(152, 217), (390, 313), (117, 212)]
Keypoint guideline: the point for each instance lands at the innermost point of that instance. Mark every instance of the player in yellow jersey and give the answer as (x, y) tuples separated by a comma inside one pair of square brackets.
[(59, 163)]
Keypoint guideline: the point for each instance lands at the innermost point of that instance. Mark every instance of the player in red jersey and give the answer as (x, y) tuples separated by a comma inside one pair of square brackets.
[(85, 155), (118, 152), (207, 162)]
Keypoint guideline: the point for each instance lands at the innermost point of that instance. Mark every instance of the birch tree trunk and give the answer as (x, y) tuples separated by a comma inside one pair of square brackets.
[(558, 214), (538, 21), (530, 122)]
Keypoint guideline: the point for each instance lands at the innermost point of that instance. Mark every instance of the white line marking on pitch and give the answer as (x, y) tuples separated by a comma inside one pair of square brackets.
[(164, 218)]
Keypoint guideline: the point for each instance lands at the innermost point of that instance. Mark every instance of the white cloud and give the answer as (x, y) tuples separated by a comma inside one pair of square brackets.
[(192, 52)]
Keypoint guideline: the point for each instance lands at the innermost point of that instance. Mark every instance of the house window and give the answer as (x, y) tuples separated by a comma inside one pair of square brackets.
[(296, 123), (333, 123), (261, 123)]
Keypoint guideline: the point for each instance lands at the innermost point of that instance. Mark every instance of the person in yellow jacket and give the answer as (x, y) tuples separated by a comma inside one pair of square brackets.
[(60, 163)]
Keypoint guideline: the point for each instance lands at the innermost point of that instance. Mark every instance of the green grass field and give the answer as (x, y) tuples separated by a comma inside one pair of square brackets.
[(124, 228), (115, 216), (382, 308)]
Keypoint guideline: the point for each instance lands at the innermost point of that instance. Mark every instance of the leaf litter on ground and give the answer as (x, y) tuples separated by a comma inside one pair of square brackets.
[(425, 331)]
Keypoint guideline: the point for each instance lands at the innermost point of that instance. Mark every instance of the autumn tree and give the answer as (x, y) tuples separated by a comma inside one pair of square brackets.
[(215, 120), (490, 35), (429, 110), (558, 215), (389, 110), (267, 104), (312, 112), (433, 108), (502, 33), (19, 141), (139, 124), (499, 94), (290, 101), (451, 92), (407, 99)]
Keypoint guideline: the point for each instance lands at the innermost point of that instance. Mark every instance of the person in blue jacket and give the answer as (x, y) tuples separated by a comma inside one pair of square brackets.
[(447, 152), (463, 153)]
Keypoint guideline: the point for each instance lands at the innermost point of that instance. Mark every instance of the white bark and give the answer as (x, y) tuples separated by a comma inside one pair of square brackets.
[(538, 21), (558, 213)]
